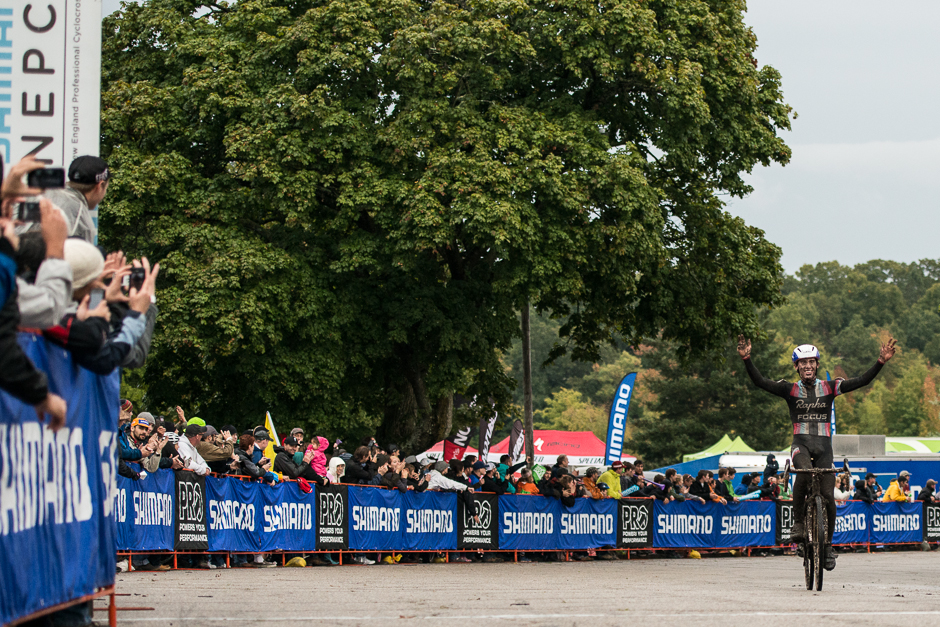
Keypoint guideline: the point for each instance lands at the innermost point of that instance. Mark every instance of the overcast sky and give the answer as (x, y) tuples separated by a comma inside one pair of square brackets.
[(863, 183), (862, 76)]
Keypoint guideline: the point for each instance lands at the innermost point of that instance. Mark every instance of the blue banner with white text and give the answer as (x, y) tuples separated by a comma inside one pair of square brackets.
[(617, 421), (589, 524), (57, 490), (374, 519), (144, 512), (232, 511), (851, 523), (895, 522), (286, 518), (429, 521), (712, 525), (528, 523)]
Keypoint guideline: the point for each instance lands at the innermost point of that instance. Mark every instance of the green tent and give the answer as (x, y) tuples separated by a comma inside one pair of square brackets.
[(724, 445)]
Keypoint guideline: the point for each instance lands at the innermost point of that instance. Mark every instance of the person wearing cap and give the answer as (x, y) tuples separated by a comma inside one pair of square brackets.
[(612, 479), (262, 439), (191, 458), (217, 451), (489, 482), (928, 494), (590, 484), (79, 200), (899, 490), (284, 463)]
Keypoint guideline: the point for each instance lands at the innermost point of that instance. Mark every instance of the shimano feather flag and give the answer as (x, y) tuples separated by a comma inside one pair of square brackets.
[(617, 423)]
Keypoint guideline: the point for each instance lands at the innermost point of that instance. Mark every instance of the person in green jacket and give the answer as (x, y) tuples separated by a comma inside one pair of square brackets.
[(612, 479)]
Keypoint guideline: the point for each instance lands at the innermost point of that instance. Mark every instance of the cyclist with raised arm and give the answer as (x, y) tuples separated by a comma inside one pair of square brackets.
[(810, 401)]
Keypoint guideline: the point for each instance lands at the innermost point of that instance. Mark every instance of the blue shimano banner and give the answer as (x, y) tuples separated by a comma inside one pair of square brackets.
[(144, 512), (233, 509), (589, 524), (429, 521), (617, 422), (711, 525), (374, 519), (57, 490), (287, 517), (896, 522), (851, 523), (528, 523)]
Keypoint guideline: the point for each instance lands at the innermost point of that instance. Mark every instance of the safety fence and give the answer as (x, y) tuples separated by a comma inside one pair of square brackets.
[(181, 511), (57, 492)]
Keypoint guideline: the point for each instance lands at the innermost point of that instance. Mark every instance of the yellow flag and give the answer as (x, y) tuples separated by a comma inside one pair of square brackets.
[(269, 451)]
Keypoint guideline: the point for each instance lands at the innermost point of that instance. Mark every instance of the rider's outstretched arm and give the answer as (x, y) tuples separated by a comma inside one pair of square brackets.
[(844, 386), (778, 388)]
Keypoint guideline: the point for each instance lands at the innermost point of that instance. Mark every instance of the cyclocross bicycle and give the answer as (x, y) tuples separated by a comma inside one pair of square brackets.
[(813, 548)]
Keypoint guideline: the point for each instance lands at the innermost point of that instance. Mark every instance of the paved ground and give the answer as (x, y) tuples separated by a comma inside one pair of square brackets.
[(896, 589)]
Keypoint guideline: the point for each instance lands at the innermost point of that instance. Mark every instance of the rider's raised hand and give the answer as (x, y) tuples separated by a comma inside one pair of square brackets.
[(744, 347), (888, 350)]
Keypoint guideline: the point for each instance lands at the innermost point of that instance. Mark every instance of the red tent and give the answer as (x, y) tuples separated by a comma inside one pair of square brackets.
[(583, 448)]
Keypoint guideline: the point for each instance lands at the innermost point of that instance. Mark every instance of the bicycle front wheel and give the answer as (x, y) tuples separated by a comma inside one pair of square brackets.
[(819, 551), (809, 528)]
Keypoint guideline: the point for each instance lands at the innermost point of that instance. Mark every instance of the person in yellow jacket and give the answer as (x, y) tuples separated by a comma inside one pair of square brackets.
[(612, 479), (898, 490)]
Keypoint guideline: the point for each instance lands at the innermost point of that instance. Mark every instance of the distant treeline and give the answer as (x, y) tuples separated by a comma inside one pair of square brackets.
[(683, 407)]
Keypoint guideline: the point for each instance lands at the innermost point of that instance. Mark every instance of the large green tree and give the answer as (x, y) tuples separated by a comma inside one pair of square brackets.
[(352, 199)]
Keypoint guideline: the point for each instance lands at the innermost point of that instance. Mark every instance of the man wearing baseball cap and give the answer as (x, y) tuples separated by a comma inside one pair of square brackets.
[(85, 189), (899, 490), (187, 449), (612, 479)]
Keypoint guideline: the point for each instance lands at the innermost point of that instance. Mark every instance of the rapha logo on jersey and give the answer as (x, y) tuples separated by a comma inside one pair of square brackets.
[(483, 511), (332, 509)]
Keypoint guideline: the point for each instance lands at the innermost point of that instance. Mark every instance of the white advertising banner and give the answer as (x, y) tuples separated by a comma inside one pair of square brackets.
[(50, 79)]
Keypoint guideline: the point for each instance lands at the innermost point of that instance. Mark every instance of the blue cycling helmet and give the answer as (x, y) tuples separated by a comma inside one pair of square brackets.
[(805, 351)]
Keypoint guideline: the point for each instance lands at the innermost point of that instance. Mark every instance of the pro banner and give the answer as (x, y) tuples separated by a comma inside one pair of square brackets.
[(617, 422), (483, 534), (711, 525), (931, 522), (190, 531), (528, 523), (895, 522), (851, 523), (588, 524), (429, 521), (144, 512), (374, 519), (635, 523), (232, 510), (784, 522), (332, 521), (57, 490), (287, 521)]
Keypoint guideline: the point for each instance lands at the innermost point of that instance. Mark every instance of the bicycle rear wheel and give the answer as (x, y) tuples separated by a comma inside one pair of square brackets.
[(819, 553)]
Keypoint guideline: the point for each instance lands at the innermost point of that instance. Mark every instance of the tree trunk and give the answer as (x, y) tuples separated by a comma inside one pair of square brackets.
[(529, 428), (414, 423)]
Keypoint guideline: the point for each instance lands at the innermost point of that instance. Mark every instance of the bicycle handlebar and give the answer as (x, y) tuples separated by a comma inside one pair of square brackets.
[(813, 471)]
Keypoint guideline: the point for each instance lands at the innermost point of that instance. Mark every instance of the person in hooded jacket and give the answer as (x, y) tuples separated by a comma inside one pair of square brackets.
[(863, 492), (928, 494), (741, 490), (318, 446), (337, 470), (771, 468)]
